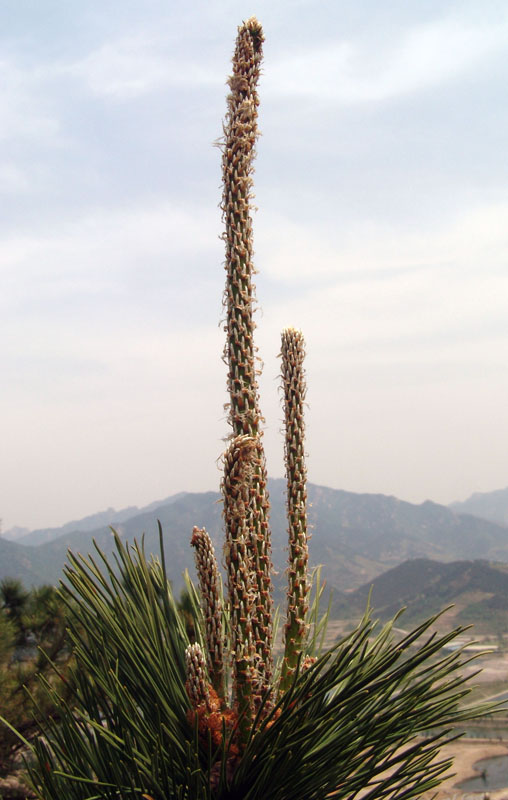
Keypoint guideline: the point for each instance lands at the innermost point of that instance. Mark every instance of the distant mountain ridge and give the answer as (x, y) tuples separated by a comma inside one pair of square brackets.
[(15, 533), (90, 523), (356, 537), (487, 505)]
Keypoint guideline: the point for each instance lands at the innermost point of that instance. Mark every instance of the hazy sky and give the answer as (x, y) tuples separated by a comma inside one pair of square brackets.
[(382, 232)]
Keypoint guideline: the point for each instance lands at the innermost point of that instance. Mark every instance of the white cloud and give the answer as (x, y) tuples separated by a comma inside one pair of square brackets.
[(13, 179), (24, 114), (92, 250), (350, 72), (293, 252), (137, 65), (425, 301)]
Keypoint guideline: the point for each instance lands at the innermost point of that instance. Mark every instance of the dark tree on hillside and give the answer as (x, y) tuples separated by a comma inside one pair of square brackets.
[(32, 631)]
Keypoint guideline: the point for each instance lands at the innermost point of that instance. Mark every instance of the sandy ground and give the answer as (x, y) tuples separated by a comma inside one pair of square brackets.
[(466, 753)]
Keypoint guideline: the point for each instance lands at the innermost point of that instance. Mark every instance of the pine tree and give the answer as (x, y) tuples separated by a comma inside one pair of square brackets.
[(156, 716)]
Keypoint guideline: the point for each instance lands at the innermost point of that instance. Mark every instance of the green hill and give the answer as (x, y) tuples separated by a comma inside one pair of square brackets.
[(478, 590)]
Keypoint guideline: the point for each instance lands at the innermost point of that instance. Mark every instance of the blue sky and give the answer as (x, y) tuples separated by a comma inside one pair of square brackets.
[(382, 233)]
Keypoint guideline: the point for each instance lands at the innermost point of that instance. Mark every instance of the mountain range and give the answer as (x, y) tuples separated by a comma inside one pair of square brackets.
[(356, 537)]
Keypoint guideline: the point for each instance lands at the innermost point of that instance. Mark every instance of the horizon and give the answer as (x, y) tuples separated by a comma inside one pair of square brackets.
[(162, 501), (381, 233)]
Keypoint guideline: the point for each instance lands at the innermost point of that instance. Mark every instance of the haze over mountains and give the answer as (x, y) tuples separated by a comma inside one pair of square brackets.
[(89, 523), (488, 505), (356, 537)]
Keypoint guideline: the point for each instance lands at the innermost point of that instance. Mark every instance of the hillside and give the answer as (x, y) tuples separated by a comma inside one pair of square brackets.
[(355, 536), (478, 590), (19, 562), (487, 505)]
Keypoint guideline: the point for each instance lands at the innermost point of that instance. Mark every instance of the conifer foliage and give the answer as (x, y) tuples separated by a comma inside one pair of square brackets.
[(30, 622), (153, 715)]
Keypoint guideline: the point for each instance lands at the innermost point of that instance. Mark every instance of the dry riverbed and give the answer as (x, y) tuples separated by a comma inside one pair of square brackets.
[(466, 752)]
